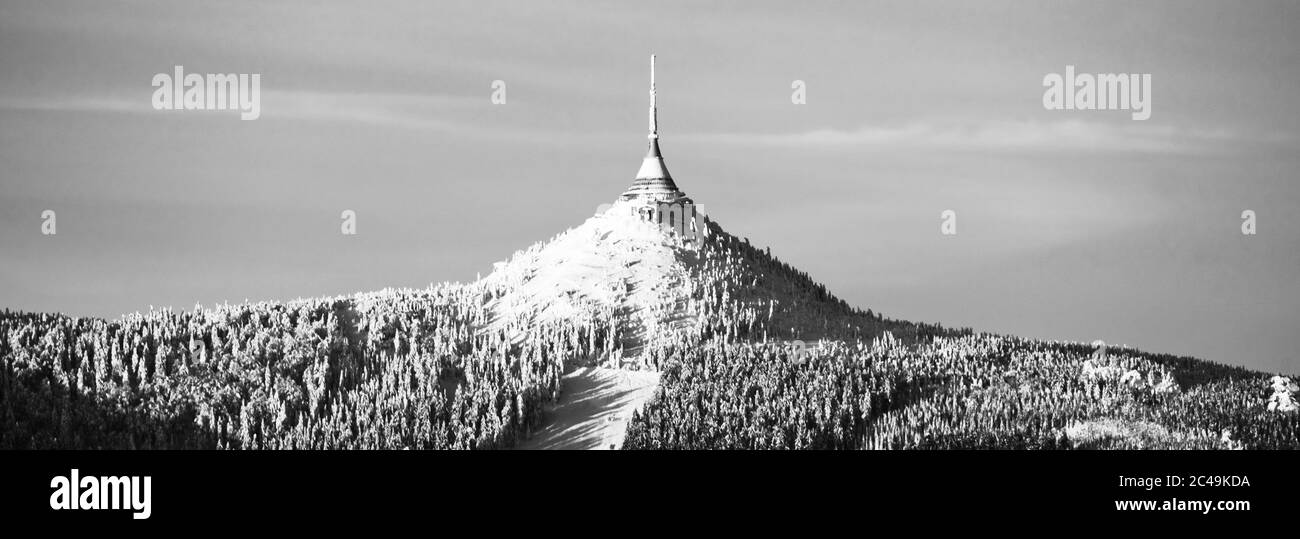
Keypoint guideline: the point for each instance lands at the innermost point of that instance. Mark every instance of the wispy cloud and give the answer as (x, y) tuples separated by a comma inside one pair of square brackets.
[(75, 104), (457, 115), (397, 110), (461, 116), (1026, 136)]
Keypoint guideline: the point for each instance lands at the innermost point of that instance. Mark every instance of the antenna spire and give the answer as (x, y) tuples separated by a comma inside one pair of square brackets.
[(654, 123)]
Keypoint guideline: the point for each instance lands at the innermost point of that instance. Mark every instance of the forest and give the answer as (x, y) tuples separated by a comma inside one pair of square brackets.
[(440, 368)]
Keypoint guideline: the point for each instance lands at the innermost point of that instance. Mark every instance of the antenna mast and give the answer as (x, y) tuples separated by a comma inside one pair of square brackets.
[(654, 123)]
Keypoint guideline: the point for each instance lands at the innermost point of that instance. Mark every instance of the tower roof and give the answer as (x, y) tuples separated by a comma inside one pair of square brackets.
[(653, 182)]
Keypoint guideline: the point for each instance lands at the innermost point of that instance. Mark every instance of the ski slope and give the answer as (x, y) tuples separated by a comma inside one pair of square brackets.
[(594, 409)]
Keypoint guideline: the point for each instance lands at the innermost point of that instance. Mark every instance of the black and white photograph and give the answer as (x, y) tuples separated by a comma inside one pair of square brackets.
[(988, 239)]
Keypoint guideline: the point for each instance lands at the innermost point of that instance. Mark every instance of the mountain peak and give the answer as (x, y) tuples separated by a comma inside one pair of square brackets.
[(615, 263)]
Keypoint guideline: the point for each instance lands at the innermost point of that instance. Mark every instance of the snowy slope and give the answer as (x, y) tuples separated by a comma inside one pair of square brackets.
[(612, 265), (594, 410), (655, 288)]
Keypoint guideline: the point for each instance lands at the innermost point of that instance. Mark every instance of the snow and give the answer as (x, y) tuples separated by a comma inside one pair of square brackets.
[(1094, 370), (619, 269), (613, 263), (594, 410), (1132, 378), (1105, 433), (1283, 397)]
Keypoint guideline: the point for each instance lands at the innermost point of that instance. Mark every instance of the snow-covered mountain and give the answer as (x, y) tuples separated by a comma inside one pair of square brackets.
[(657, 287), (734, 348)]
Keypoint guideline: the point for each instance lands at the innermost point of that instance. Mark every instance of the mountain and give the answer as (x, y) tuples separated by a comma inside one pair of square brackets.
[(746, 351), (648, 326), (658, 288)]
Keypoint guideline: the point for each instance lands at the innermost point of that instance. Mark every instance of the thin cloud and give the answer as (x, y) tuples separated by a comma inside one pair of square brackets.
[(456, 114), (459, 115), (398, 110), (997, 136), (75, 104)]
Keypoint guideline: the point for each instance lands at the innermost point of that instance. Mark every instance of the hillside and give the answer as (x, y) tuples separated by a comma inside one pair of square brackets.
[(658, 289), (489, 364)]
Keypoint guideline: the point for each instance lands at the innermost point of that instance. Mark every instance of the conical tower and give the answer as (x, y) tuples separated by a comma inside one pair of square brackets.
[(653, 183)]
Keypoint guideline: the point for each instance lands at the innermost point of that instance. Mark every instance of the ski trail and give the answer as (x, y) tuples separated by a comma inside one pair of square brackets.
[(594, 409)]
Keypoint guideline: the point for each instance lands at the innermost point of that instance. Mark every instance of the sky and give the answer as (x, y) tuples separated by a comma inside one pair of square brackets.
[(1071, 224)]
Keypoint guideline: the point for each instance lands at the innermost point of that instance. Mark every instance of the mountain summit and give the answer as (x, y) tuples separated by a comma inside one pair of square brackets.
[(652, 263)]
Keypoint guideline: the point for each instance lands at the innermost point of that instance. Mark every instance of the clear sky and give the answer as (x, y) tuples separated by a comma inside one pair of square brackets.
[(1075, 225)]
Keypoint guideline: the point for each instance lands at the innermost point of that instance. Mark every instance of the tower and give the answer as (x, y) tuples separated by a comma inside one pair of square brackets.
[(654, 195)]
